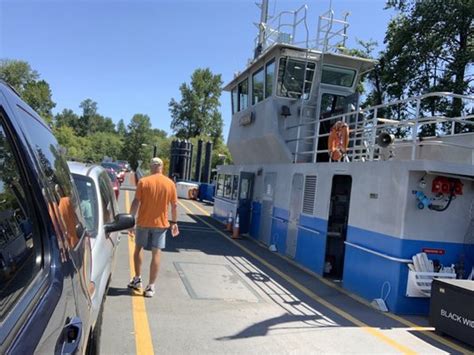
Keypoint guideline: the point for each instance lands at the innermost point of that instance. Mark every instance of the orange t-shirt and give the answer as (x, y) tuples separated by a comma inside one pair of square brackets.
[(155, 193)]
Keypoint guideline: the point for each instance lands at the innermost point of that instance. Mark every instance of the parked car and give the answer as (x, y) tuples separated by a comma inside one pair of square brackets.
[(115, 183), (124, 165), (99, 208), (46, 291), (118, 170)]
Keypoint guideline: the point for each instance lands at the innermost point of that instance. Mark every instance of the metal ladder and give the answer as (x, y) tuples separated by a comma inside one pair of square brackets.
[(309, 138)]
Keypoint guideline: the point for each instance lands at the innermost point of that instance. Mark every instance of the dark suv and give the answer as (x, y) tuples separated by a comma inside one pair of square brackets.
[(45, 252)]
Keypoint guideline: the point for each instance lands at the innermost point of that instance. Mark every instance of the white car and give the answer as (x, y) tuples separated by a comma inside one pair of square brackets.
[(103, 220)]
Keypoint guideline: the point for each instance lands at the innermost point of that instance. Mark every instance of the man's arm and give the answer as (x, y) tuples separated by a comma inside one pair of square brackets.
[(174, 211), (134, 208)]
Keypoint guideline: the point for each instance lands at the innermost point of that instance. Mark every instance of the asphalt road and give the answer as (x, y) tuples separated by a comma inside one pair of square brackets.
[(216, 295)]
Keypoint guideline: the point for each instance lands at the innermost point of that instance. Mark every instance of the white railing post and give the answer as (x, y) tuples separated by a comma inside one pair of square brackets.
[(373, 136), (414, 133)]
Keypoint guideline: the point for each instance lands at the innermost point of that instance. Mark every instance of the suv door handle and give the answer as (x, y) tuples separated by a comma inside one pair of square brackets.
[(72, 334)]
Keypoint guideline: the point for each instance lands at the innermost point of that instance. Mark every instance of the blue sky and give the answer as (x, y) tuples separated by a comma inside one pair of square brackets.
[(131, 56)]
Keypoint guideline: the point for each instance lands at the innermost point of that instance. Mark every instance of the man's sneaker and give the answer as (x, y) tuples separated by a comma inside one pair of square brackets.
[(135, 283), (149, 291)]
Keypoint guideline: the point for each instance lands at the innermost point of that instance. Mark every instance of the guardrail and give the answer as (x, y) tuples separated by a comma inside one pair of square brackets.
[(365, 125), (385, 256)]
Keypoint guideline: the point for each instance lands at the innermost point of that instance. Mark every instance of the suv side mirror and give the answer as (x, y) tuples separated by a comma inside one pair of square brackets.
[(122, 221)]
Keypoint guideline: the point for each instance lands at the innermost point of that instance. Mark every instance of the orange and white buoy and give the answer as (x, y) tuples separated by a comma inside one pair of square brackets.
[(228, 226), (236, 230)]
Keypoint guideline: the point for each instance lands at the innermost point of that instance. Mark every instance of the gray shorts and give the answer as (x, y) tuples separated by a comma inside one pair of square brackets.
[(149, 238)]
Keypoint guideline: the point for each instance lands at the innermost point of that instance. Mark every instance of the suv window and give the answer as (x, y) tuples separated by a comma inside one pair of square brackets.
[(88, 197), (20, 251), (57, 174), (108, 198)]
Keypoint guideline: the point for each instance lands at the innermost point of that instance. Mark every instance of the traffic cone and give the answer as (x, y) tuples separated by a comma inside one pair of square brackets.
[(236, 230), (228, 226)]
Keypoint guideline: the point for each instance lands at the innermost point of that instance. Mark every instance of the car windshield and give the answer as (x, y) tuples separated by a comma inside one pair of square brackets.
[(87, 194)]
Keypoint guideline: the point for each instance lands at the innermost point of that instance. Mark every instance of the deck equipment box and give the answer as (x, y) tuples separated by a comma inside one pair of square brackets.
[(452, 308)]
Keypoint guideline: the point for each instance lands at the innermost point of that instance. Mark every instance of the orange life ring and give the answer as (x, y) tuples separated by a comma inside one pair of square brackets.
[(338, 140)]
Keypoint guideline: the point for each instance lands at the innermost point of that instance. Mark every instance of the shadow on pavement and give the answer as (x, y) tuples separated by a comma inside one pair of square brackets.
[(123, 291), (197, 235)]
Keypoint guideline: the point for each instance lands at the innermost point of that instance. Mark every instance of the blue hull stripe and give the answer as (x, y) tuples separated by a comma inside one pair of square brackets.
[(364, 272)]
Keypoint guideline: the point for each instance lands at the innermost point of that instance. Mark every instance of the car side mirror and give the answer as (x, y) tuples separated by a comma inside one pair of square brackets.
[(122, 221)]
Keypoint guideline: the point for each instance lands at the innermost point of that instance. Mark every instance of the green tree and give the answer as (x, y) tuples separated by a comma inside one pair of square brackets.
[(104, 144), (138, 133), (76, 147), (197, 113), (17, 73), (430, 47), (121, 128), (67, 118), (33, 91), (87, 122), (91, 121)]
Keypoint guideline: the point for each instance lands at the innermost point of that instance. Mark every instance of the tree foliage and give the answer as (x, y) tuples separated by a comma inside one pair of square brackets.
[(138, 133), (429, 47), (121, 128), (25, 81), (197, 113)]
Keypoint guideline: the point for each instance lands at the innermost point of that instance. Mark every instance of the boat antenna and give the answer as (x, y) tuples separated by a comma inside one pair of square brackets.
[(262, 27)]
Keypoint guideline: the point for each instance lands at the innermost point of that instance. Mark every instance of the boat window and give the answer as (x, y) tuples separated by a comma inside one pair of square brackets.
[(243, 94), (257, 86), (332, 105), (244, 189), (269, 76), (220, 185), (338, 76), (228, 186), (235, 185), (291, 78), (235, 100)]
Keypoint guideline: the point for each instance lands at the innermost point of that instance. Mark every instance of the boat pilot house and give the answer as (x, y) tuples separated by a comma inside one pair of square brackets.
[(354, 194)]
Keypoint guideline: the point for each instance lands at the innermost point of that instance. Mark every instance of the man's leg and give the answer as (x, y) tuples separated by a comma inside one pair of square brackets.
[(154, 265), (137, 260)]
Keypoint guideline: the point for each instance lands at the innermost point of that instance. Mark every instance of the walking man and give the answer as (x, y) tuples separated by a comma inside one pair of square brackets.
[(153, 195)]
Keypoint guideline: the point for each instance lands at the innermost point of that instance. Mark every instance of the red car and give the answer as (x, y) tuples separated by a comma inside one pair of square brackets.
[(117, 170), (115, 183)]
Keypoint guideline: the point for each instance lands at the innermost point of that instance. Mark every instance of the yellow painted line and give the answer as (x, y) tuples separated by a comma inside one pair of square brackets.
[(373, 331), (428, 331), (143, 343)]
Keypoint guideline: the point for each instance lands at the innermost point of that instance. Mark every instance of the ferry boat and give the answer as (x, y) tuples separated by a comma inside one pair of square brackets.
[(359, 205)]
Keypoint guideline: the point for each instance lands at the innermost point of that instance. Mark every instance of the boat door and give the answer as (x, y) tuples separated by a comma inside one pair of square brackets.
[(337, 226), (245, 200), (294, 214)]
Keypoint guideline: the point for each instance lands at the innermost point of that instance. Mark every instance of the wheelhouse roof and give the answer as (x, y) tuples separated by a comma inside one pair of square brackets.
[(365, 64)]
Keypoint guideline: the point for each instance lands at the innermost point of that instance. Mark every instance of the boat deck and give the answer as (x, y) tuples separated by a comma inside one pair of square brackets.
[(218, 295)]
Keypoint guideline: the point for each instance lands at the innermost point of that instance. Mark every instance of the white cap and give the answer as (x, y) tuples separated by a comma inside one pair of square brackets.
[(156, 161)]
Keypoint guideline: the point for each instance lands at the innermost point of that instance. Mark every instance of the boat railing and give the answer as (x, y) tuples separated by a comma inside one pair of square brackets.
[(366, 125), (285, 27), (332, 33)]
